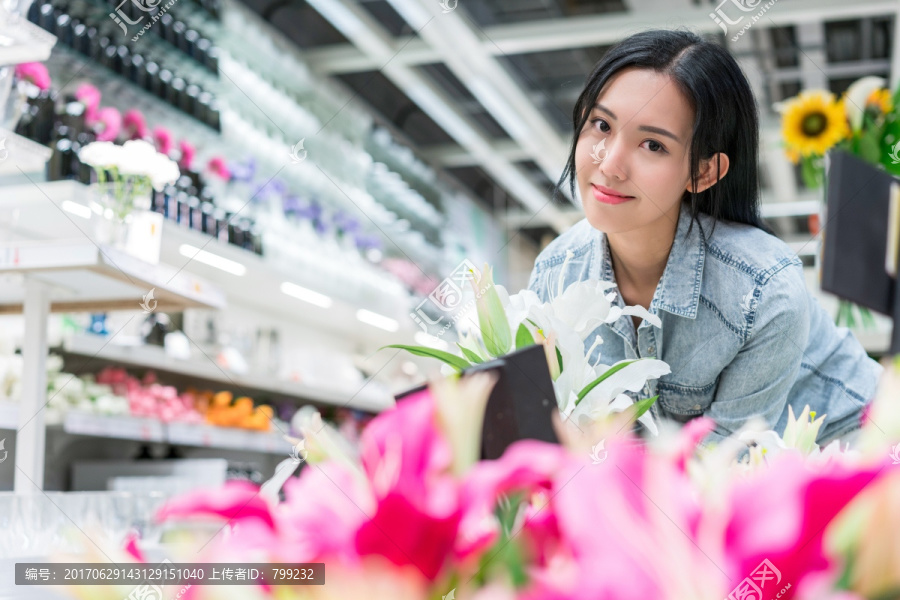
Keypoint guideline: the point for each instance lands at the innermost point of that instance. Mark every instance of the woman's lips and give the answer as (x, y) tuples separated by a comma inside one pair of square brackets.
[(607, 198)]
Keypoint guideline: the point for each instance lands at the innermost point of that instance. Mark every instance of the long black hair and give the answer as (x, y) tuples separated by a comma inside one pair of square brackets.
[(725, 116)]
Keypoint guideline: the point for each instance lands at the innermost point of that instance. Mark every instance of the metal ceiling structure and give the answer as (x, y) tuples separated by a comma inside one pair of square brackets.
[(484, 89)]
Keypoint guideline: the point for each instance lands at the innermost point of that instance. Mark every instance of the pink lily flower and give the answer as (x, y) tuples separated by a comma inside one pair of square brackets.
[(237, 501), (323, 510), (780, 514), (408, 462), (527, 466)]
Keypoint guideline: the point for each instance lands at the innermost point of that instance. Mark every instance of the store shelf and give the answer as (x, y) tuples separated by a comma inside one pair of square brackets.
[(209, 436), (84, 276), (155, 358), (22, 41), (114, 426), (19, 154), (144, 429), (352, 285)]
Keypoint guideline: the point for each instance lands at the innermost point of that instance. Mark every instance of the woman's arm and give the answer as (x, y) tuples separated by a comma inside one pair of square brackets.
[(756, 383)]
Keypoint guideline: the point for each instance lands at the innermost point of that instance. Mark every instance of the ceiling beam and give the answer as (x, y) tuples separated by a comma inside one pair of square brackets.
[(454, 155), (356, 24), (459, 47), (596, 30)]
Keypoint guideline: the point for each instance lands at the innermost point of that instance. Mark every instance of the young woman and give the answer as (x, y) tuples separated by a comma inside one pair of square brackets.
[(664, 158)]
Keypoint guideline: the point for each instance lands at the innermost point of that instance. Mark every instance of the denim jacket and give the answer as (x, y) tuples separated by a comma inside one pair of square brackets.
[(743, 336)]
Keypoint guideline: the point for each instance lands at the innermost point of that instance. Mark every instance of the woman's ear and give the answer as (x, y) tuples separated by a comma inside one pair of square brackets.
[(708, 175)]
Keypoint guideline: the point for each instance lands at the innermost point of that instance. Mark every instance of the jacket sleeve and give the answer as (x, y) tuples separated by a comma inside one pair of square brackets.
[(756, 383)]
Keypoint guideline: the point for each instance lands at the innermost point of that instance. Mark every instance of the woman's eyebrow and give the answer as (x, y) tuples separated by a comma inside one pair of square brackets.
[(650, 128)]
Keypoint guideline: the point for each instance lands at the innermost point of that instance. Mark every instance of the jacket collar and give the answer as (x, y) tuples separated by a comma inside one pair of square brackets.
[(678, 291)]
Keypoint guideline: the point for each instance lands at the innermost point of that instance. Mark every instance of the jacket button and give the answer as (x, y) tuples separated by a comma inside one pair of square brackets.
[(651, 350), (696, 407)]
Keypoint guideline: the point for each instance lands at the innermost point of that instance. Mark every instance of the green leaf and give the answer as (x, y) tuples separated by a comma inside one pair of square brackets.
[(454, 361), (870, 145), (523, 337), (642, 406), (474, 358), (559, 358), (609, 373), (811, 173)]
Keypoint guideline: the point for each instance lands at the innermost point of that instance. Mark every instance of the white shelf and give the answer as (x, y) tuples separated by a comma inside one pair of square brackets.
[(114, 426), (154, 357), (18, 152), (145, 429), (22, 41), (210, 436), (83, 276), (42, 215)]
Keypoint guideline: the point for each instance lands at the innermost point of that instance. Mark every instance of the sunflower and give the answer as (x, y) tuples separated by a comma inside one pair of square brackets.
[(813, 122), (880, 100)]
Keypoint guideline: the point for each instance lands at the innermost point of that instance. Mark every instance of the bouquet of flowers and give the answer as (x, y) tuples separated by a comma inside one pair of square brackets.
[(585, 391), (410, 513), (864, 121)]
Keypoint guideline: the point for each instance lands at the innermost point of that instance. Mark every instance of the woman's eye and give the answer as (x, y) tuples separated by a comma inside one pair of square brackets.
[(600, 124), (654, 146)]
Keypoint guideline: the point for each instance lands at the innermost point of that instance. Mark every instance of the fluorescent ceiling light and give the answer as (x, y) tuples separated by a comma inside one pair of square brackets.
[(213, 260), (376, 320), (307, 295), (76, 209)]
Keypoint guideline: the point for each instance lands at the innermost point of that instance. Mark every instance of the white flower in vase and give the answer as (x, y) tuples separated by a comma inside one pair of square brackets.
[(127, 173), (562, 325)]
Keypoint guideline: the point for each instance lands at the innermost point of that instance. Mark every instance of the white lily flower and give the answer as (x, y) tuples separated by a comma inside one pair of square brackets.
[(460, 406), (608, 394), (857, 93), (801, 433), (471, 342)]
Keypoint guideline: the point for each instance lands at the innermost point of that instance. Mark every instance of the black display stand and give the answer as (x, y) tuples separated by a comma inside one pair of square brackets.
[(521, 403), (857, 236)]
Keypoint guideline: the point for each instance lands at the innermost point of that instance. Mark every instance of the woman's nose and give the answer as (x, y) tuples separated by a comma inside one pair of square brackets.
[(611, 158)]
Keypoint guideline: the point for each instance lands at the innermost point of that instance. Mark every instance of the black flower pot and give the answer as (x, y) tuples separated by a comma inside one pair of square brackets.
[(860, 236)]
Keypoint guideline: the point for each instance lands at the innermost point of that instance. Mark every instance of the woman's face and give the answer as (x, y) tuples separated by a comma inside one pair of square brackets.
[(632, 155)]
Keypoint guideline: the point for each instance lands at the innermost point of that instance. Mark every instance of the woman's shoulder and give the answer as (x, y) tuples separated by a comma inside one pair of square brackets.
[(749, 250)]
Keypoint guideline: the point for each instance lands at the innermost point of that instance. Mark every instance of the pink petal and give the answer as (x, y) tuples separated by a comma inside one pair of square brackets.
[(322, 511), (90, 97), (135, 124), (235, 501), (406, 535), (34, 72), (187, 154), (162, 137), (781, 514), (111, 120)]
